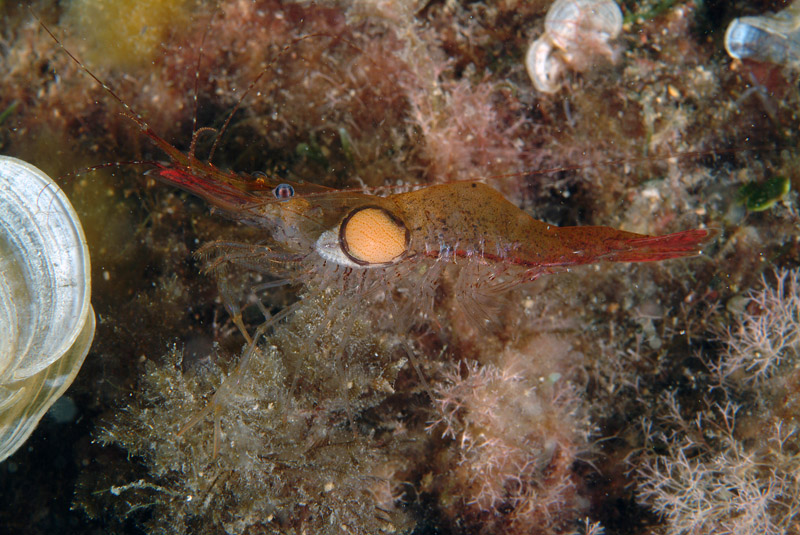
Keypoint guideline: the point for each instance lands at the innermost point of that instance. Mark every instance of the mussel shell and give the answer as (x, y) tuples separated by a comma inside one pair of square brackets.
[(46, 320)]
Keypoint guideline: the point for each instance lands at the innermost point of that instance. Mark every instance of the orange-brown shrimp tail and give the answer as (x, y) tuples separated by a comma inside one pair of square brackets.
[(656, 248), (586, 245)]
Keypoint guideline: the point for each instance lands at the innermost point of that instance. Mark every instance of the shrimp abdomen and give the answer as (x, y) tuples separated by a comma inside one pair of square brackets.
[(472, 219)]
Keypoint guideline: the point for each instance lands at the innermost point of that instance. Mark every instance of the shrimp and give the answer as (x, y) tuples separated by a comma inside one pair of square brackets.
[(311, 224), (365, 246), (446, 222), (360, 243)]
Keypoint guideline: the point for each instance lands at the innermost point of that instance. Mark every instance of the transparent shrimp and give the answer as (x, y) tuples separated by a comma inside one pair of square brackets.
[(363, 245), (461, 220), (310, 224), (359, 243)]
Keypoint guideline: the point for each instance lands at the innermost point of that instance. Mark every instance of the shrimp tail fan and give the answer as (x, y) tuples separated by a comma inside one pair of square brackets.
[(656, 248)]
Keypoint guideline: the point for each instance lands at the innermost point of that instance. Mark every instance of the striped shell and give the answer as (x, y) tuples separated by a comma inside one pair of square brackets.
[(773, 37), (46, 320), (569, 23)]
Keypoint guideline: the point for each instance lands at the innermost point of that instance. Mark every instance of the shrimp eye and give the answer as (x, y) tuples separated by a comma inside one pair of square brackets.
[(373, 235), (283, 191)]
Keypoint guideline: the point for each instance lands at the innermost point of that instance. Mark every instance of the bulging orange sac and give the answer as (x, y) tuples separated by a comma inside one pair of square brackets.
[(372, 235)]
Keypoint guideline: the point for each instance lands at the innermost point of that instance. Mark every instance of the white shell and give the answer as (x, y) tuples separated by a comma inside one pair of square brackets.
[(544, 68), (577, 33), (46, 320), (570, 23), (773, 37)]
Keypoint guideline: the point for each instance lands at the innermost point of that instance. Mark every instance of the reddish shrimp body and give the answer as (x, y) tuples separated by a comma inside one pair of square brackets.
[(351, 229), (358, 243), (467, 220)]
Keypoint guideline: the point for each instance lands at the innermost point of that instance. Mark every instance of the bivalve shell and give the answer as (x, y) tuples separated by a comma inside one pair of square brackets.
[(577, 34), (572, 23), (46, 319), (543, 66), (772, 38)]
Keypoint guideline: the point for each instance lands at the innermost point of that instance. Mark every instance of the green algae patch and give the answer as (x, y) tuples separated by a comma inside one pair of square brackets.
[(759, 197), (126, 33)]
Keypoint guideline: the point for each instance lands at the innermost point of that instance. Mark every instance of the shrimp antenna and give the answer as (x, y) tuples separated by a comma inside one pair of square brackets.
[(129, 112), (195, 131), (176, 155)]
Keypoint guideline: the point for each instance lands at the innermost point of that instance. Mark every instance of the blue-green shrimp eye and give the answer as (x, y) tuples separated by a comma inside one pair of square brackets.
[(283, 191)]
